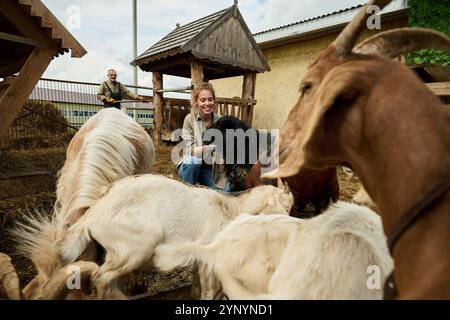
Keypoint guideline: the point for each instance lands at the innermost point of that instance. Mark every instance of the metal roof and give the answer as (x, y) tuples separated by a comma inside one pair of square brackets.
[(321, 23)]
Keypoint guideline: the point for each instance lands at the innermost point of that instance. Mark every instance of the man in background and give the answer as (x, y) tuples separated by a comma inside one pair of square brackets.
[(111, 91)]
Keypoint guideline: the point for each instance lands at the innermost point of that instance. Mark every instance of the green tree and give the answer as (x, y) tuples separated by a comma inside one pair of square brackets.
[(431, 14)]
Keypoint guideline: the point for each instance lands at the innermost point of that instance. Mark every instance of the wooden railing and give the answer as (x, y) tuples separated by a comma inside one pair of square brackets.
[(440, 88), (236, 107), (175, 110)]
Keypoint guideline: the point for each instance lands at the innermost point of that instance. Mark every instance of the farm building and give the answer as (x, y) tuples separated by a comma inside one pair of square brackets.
[(289, 50), (78, 101)]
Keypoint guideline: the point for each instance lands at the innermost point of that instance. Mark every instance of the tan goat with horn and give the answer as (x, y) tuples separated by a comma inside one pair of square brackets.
[(390, 129)]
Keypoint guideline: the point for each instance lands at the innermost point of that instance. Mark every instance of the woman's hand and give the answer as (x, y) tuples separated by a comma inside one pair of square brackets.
[(206, 149)]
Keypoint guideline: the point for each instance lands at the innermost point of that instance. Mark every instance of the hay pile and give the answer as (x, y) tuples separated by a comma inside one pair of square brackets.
[(38, 125), (46, 116)]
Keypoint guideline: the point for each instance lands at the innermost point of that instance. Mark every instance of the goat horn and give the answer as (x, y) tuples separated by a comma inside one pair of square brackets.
[(347, 38), (286, 188), (56, 287), (31, 289), (8, 278), (392, 43)]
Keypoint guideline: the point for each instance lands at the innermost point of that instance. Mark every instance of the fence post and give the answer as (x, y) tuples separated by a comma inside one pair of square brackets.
[(248, 91), (158, 103)]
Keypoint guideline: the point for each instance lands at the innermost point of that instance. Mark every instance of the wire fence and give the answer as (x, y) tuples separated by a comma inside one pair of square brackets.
[(56, 109)]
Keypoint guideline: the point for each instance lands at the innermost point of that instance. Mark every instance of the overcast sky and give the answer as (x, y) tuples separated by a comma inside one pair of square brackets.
[(103, 27)]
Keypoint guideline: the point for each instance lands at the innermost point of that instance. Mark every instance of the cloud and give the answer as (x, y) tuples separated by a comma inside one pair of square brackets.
[(275, 13), (106, 29)]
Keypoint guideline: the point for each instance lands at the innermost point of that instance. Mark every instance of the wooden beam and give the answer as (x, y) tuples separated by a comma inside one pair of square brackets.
[(24, 23), (158, 103), (169, 120), (440, 88), (13, 98), (228, 100), (196, 73), (179, 89), (169, 63), (58, 31), (248, 87), (248, 92), (22, 40)]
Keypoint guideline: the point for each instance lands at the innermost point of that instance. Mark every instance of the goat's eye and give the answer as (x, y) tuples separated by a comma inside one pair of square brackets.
[(305, 88)]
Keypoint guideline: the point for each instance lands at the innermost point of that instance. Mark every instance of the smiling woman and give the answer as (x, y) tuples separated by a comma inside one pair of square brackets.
[(192, 169)]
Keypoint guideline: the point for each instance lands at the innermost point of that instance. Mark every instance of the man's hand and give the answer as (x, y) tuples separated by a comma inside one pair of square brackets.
[(111, 100), (142, 99)]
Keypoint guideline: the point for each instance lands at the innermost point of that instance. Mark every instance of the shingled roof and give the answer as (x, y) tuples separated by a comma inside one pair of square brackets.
[(222, 41)]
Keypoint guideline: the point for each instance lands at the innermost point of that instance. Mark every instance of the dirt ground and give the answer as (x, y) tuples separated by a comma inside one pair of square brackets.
[(50, 160)]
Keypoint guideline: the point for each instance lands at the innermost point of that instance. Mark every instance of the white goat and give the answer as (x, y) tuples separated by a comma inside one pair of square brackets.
[(108, 147), (280, 257), (139, 213)]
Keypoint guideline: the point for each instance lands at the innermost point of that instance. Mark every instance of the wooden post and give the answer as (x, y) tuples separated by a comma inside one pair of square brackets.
[(169, 126), (158, 104), (196, 73), (15, 96), (248, 91), (180, 116)]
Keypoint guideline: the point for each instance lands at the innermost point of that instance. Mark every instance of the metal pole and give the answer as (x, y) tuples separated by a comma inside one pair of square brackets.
[(135, 70)]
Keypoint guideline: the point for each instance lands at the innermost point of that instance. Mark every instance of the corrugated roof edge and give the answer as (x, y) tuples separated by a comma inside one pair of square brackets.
[(322, 23), (309, 19)]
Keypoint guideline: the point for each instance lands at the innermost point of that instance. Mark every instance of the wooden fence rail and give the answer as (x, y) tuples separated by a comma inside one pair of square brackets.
[(175, 110), (440, 88)]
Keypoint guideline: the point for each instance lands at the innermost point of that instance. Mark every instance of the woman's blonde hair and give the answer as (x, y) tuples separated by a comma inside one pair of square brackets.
[(202, 86)]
